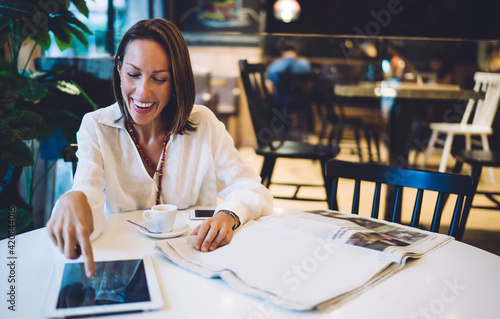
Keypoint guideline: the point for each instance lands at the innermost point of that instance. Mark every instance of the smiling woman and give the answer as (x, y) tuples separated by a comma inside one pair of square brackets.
[(154, 146)]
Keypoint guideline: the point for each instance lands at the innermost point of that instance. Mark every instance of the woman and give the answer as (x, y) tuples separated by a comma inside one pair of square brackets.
[(154, 146)]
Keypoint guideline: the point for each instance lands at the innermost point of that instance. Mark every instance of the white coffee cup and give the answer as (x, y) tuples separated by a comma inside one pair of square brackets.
[(162, 217)]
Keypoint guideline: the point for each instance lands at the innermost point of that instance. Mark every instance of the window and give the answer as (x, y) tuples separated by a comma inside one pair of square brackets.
[(99, 15)]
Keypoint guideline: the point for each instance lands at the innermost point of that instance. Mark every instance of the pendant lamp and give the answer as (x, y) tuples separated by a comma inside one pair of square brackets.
[(286, 10)]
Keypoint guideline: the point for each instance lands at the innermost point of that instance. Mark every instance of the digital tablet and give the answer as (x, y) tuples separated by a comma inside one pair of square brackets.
[(119, 286)]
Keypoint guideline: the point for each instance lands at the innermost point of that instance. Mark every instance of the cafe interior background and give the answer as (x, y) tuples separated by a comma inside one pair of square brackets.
[(346, 41)]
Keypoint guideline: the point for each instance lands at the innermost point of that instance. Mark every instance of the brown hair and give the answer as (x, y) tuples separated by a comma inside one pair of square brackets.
[(165, 33)]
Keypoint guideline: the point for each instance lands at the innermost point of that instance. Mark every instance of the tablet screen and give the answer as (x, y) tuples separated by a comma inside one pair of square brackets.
[(122, 281), (118, 286)]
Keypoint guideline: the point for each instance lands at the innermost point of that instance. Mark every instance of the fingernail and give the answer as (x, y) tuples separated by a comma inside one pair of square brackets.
[(197, 247)]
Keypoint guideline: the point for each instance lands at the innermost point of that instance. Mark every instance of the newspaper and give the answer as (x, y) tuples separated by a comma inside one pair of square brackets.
[(307, 260), (389, 240)]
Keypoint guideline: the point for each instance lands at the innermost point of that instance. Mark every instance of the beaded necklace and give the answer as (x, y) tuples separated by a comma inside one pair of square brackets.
[(148, 161)]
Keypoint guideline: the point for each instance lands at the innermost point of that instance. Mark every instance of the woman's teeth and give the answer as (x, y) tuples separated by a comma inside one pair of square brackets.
[(143, 105)]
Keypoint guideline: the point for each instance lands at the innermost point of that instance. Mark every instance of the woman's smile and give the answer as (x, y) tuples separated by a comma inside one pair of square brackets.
[(142, 107)]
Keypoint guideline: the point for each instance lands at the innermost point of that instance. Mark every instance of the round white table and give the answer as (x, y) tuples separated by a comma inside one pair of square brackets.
[(455, 281)]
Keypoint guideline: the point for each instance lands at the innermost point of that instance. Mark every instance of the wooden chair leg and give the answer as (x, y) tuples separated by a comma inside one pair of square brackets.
[(358, 145), (476, 173), (486, 147), (376, 139), (333, 202), (339, 131), (456, 170), (468, 142), (266, 172), (446, 152), (327, 181), (430, 147), (368, 139)]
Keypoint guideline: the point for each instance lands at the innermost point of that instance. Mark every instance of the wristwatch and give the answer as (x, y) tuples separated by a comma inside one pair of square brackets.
[(237, 222)]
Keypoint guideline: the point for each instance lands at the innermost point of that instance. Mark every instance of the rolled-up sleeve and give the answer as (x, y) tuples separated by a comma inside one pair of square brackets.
[(89, 177), (238, 184)]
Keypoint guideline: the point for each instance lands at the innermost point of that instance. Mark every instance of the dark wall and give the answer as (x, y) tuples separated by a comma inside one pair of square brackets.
[(468, 19)]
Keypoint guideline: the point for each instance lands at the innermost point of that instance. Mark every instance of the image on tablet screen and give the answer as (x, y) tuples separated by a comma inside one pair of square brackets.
[(115, 282)]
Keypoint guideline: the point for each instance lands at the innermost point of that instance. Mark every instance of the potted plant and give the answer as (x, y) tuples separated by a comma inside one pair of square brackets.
[(33, 105)]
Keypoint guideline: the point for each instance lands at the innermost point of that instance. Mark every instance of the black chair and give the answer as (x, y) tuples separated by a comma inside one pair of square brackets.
[(400, 178), (295, 90), (268, 122), (334, 120), (477, 159), (68, 154)]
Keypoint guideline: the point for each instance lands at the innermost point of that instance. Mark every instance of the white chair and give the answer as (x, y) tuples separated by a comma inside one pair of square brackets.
[(476, 122)]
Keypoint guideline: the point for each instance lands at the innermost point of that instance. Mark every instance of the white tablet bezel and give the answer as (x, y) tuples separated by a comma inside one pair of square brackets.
[(156, 301)]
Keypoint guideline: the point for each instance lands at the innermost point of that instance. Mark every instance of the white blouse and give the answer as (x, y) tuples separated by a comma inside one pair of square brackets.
[(199, 167)]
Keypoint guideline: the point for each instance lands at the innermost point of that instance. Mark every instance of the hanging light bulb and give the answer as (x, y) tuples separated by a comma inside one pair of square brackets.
[(286, 10)]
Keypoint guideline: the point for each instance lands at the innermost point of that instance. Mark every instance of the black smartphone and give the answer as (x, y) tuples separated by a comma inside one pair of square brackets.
[(201, 213)]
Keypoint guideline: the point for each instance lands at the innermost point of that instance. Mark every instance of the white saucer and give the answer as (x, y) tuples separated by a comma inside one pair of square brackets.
[(179, 229)]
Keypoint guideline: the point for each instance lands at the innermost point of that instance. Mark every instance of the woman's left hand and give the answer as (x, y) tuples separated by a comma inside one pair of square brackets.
[(214, 232)]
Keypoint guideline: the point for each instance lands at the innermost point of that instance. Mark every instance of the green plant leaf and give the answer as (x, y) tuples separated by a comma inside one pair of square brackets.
[(64, 120), (85, 96), (34, 91), (81, 5), (6, 134), (17, 153), (68, 87), (79, 35), (8, 68), (69, 17), (4, 37), (9, 92), (70, 114), (22, 219), (59, 26), (5, 21), (4, 169), (26, 125), (68, 130), (43, 38), (63, 37)]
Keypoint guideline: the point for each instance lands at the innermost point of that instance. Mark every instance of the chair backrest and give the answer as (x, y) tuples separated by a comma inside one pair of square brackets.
[(485, 110), (294, 91), (68, 153), (261, 105), (398, 179)]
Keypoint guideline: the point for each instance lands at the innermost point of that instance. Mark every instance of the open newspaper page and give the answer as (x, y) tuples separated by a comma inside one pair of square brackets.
[(283, 266), (306, 260), (388, 240)]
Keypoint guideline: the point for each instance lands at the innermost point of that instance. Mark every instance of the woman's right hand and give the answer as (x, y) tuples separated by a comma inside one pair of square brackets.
[(70, 227)]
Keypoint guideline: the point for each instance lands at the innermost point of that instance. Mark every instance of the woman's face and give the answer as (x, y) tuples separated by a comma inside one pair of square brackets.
[(146, 80)]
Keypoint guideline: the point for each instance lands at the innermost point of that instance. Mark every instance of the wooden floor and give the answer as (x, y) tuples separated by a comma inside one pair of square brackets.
[(483, 226)]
